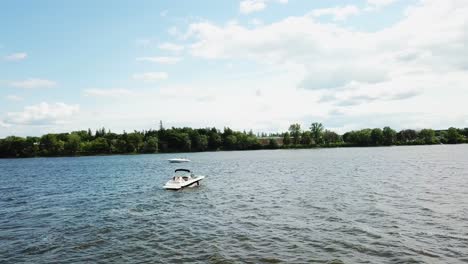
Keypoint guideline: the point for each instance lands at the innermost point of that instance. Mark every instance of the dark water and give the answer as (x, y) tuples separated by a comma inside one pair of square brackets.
[(355, 205)]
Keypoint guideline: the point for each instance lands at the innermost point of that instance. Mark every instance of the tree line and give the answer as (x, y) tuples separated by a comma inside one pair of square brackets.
[(186, 139), (317, 135)]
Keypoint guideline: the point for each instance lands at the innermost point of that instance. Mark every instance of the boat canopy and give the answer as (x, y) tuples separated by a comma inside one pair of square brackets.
[(182, 170)]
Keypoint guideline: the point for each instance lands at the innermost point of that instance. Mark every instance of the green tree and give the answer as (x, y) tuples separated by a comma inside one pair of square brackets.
[(247, 141), (13, 147), (317, 132), (465, 132), (151, 145), (203, 143), (364, 137), (73, 144), (199, 142), (377, 137), (306, 138), (389, 136), (407, 135), (242, 141), (31, 147), (359, 138), (453, 136), (441, 136), (187, 139), (134, 142), (295, 131), (273, 144), (427, 136), (330, 137), (99, 146), (214, 140), (50, 145), (230, 142), (286, 139), (119, 146), (100, 133), (83, 134)]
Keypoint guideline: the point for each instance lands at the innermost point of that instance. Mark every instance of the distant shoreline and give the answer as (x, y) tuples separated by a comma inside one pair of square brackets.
[(103, 142), (215, 151)]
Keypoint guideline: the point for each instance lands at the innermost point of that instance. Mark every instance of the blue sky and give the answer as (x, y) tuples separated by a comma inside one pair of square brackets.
[(248, 64)]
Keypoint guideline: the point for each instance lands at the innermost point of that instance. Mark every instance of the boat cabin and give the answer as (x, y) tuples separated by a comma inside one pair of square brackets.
[(182, 177)]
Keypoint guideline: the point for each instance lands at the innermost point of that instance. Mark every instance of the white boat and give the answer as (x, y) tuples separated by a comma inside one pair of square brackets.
[(183, 178), (178, 160)]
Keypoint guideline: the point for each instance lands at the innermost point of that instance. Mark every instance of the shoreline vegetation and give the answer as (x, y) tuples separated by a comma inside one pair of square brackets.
[(174, 140)]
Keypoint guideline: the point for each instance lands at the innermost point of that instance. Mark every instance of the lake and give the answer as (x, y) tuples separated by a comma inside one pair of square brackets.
[(348, 205)]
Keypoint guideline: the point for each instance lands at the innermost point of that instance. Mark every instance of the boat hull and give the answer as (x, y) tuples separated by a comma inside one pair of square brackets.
[(179, 186), (178, 160)]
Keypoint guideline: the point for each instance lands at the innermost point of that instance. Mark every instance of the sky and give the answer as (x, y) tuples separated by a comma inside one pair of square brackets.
[(256, 65)]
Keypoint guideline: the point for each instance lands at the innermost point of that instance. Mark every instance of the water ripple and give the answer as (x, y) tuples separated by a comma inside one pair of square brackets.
[(357, 205)]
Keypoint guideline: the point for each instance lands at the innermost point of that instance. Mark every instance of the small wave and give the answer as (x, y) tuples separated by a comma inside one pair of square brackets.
[(90, 244), (425, 253), (38, 249), (285, 209), (335, 261), (269, 260), (219, 259)]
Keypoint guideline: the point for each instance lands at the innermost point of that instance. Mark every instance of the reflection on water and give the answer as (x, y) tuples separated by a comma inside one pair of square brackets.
[(354, 205)]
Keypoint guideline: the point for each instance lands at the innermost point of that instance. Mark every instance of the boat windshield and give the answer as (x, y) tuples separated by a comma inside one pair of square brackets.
[(180, 178), (184, 175)]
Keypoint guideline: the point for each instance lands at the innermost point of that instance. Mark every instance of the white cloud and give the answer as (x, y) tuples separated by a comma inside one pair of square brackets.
[(33, 83), (250, 6), (171, 47), (108, 92), (150, 76), (333, 56), (14, 98), (162, 60), (338, 13), (4, 125), (415, 63), (16, 56), (298, 69), (42, 114), (357, 94), (377, 4), (256, 22), (173, 31)]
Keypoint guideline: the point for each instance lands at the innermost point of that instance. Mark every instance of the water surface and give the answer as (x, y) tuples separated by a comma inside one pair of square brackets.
[(351, 205)]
